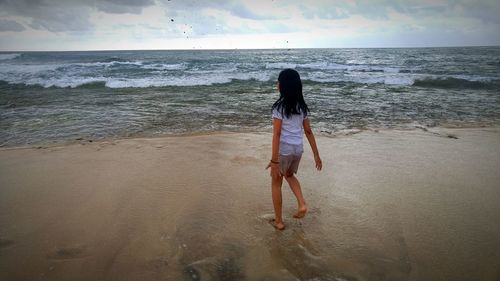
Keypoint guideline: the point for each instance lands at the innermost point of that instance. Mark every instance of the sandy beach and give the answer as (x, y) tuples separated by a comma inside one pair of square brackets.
[(388, 205)]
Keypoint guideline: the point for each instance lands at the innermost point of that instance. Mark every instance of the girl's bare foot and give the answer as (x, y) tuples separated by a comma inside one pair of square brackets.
[(277, 225), (301, 212)]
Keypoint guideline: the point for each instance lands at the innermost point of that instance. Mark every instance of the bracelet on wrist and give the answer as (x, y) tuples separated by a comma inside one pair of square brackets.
[(274, 162)]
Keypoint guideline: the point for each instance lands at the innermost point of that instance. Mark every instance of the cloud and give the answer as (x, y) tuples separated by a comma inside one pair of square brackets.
[(123, 7), (67, 15), (87, 22), (54, 16), (62, 19), (230, 17), (242, 11), (331, 13), (255, 10), (488, 11), (74, 15), (10, 25)]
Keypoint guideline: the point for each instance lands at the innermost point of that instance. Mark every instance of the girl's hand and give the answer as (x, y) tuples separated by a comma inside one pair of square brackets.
[(319, 164), (275, 169)]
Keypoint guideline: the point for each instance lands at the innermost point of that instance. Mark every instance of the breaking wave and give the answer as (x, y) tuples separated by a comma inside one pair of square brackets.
[(207, 78)]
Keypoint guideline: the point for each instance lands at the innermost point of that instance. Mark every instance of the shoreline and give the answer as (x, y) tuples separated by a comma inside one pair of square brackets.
[(438, 131)]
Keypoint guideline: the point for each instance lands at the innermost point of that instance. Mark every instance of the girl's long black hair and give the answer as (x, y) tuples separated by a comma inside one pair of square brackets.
[(291, 100)]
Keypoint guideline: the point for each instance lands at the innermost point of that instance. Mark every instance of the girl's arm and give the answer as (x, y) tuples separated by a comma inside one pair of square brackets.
[(312, 141), (276, 139), (274, 163)]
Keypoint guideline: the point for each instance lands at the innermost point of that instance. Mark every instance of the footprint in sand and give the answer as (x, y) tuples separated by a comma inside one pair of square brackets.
[(159, 262), (67, 253), (266, 217), (5, 243), (244, 159)]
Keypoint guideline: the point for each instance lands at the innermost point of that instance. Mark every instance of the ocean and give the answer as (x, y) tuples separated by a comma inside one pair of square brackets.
[(56, 97)]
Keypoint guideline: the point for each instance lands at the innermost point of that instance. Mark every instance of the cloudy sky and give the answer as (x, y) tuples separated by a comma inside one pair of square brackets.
[(227, 24)]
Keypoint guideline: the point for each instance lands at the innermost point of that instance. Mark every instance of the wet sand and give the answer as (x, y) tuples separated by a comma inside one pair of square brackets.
[(389, 205)]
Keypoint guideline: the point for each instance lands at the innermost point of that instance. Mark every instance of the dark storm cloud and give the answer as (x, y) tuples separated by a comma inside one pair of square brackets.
[(61, 20), (10, 25), (69, 15), (55, 16), (108, 6)]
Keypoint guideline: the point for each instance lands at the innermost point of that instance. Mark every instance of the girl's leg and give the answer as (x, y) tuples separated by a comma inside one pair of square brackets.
[(294, 184), (277, 202)]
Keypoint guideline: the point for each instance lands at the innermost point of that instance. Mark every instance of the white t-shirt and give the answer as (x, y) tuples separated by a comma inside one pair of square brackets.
[(292, 129)]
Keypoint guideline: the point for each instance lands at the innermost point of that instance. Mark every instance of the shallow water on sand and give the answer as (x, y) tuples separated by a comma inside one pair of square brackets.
[(197, 208)]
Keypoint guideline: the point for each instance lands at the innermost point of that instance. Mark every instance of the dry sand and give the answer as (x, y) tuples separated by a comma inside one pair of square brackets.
[(389, 205)]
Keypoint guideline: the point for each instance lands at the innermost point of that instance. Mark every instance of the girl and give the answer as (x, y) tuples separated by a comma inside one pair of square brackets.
[(289, 122)]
